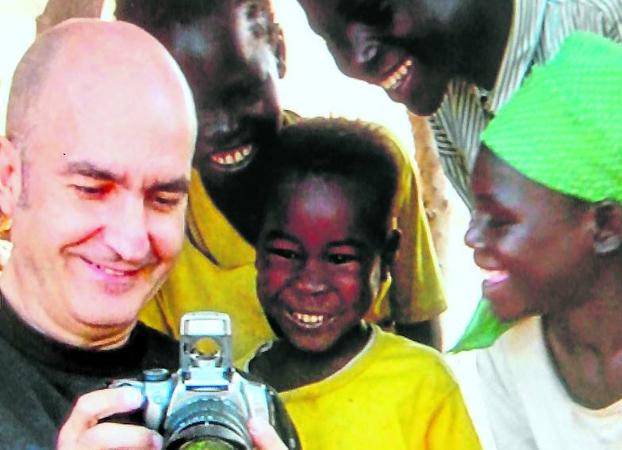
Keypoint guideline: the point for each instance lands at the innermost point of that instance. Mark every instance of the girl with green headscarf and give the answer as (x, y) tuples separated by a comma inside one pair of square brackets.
[(547, 226)]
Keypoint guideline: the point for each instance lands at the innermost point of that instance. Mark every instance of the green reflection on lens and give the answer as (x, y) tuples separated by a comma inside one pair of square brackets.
[(207, 444)]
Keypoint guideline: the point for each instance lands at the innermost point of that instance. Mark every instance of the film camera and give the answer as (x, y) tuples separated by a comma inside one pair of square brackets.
[(206, 403)]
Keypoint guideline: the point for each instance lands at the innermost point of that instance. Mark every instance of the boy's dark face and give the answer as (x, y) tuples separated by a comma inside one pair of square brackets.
[(319, 267), (230, 57), (404, 46), (531, 239)]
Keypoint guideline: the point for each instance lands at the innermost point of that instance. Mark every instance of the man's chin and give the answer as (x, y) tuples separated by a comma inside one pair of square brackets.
[(423, 105)]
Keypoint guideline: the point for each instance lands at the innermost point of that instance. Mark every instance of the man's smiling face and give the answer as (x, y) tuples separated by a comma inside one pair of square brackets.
[(404, 46), (98, 214), (231, 53)]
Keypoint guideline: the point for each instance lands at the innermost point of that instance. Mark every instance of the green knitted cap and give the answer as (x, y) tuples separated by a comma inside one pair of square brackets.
[(563, 127)]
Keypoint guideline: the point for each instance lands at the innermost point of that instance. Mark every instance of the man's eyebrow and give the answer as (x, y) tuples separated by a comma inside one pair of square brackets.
[(87, 169), (181, 185)]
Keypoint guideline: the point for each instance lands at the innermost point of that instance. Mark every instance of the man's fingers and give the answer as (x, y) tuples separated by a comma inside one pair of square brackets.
[(92, 407), (96, 405), (114, 435), (264, 436)]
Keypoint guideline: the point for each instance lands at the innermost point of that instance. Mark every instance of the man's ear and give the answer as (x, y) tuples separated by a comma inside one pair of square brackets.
[(607, 227), (389, 253), (279, 50), (10, 177)]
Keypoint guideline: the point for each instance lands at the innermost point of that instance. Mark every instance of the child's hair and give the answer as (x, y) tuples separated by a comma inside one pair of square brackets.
[(160, 13), (360, 152)]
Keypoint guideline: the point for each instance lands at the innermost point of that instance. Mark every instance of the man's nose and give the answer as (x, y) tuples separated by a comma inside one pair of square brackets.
[(310, 280), (127, 231)]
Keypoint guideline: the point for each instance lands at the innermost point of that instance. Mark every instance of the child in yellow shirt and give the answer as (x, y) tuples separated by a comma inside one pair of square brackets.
[(323, 254)]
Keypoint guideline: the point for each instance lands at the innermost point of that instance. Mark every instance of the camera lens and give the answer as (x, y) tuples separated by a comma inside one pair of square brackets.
[(207, 444), (207, 421)]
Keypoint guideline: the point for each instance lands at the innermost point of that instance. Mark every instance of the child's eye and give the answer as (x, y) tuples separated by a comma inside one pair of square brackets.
[(283, 253), (497, 223), (341, 258)]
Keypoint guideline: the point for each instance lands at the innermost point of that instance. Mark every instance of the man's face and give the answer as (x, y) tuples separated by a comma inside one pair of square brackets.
[(530, 239), (404, 46), (100, 217), (230, 57), (318, 266)]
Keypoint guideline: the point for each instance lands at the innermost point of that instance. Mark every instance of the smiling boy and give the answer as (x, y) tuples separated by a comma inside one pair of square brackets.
[(327, 241)]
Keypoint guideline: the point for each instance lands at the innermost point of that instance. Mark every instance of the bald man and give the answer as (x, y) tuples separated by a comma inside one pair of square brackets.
[(94, 173)]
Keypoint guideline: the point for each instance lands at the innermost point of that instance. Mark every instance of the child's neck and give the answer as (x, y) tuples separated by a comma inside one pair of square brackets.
[(285, 367)]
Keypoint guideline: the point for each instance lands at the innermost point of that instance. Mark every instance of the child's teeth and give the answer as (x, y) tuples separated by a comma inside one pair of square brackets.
[(309, 318)]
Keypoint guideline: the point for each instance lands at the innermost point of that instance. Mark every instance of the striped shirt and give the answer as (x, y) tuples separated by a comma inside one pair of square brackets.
[(538, 29)]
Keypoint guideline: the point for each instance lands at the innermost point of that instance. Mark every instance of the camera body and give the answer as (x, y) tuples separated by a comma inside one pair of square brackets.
[(207, 400)]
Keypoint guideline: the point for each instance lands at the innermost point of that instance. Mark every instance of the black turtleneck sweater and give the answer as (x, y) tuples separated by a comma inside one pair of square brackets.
[(40, 378)]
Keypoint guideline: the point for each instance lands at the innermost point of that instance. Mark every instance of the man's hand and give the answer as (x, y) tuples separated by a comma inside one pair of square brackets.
[(82, 430), (264, 436)]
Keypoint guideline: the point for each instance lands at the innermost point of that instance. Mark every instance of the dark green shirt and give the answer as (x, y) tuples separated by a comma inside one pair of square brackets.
[(40, 378)]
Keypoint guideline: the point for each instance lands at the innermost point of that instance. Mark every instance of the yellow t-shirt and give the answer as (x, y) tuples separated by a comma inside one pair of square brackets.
[(221, 276), (395, 394)]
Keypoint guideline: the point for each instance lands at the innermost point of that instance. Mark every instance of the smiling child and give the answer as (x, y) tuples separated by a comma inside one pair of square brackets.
[(323, 255), (548, 226)]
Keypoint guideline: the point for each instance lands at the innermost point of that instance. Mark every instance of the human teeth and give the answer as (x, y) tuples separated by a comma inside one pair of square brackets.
[(231, 157), (394, 79), (109, 271), (313, 319)]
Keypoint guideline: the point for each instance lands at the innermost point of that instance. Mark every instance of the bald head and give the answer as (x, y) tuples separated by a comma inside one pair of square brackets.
[(94, 176), (86, 62)]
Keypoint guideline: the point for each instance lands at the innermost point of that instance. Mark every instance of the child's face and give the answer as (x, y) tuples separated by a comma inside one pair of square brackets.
[(318, 266), (530, 239)]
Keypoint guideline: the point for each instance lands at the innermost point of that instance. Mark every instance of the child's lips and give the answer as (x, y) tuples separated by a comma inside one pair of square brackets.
[(494, 277)]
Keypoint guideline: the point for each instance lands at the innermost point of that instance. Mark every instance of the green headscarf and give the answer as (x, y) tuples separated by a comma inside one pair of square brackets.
[(563, 128)]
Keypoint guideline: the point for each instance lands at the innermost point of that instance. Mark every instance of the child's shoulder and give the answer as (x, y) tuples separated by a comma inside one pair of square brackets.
[(420, 363), (393, 345)]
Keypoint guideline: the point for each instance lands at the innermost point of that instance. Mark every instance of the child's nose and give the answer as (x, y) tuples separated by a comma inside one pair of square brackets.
[(473, 237), (311, 280)]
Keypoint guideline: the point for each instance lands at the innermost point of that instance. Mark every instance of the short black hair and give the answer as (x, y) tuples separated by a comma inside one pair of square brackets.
[(150, 14), (360, 152)]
